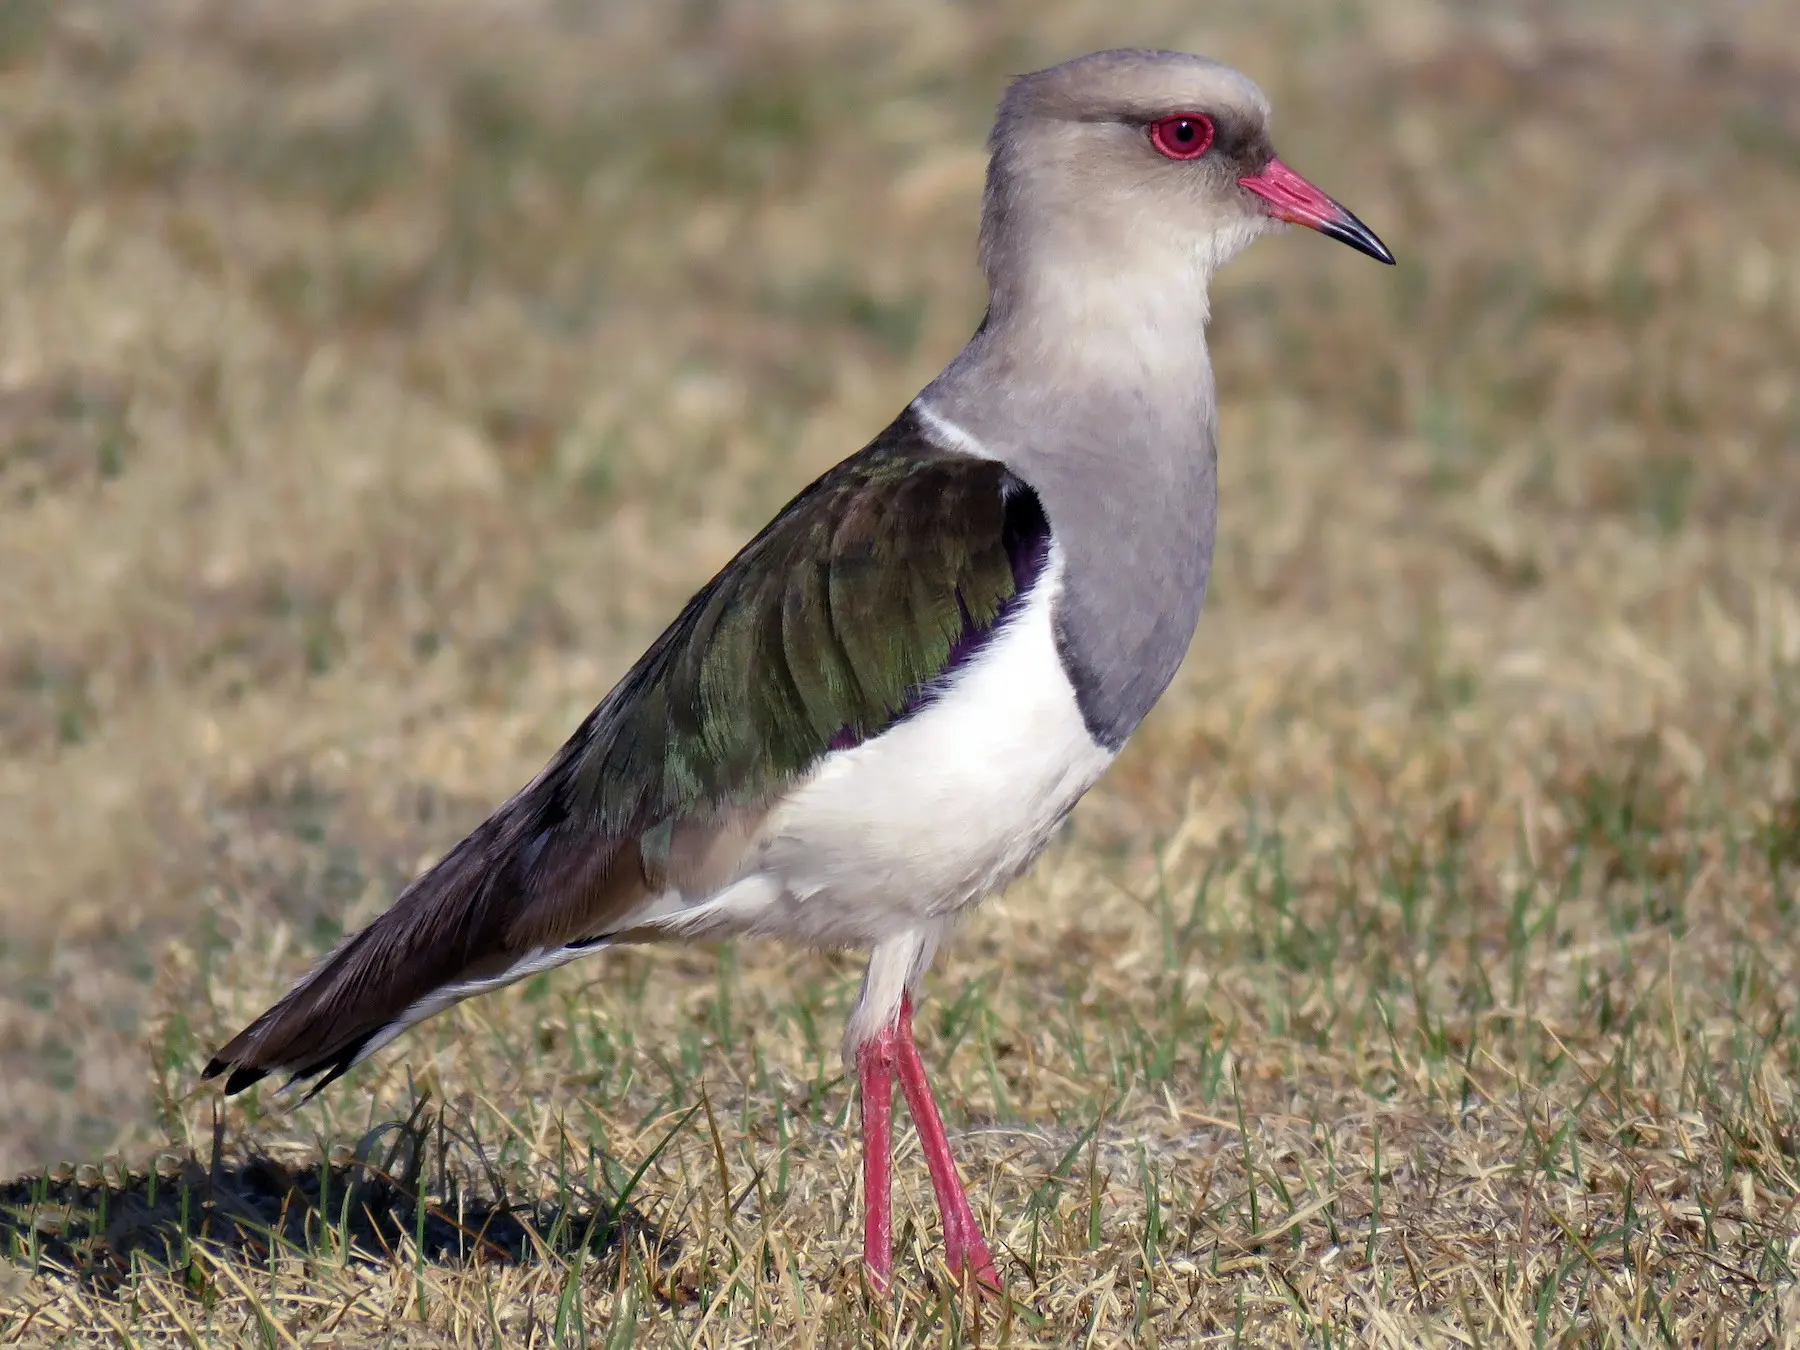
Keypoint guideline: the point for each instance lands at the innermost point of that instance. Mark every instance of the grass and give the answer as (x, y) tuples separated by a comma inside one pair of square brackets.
[(375, 381)]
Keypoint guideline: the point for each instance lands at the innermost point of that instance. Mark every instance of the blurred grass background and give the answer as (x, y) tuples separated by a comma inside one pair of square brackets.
[(377, 378)]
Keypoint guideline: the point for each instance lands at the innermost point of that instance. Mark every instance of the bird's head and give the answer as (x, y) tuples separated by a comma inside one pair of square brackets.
[(1139, 163)]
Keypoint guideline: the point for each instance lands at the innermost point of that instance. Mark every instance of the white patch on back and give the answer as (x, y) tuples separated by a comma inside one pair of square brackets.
[(946, 433)]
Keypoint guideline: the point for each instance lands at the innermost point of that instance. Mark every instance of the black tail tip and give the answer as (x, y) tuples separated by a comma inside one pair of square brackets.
[(242, 1075)]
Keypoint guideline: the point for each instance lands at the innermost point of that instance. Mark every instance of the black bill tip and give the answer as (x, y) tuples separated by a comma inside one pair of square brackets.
[(1347, 229)]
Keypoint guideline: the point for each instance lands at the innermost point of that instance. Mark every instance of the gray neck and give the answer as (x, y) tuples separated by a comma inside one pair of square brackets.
[(1100, 397)]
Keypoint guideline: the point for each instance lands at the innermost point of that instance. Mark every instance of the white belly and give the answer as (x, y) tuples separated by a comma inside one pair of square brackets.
[(931, 815)]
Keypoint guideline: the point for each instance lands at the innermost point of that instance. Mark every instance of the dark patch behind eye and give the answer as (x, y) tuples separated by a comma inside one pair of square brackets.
[(1241, 141)]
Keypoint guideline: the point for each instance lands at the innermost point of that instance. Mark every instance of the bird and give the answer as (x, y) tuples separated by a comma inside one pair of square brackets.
[(880, 711)]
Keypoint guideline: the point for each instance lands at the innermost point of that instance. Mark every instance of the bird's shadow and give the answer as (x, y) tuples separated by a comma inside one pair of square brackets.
[(372, 1206)]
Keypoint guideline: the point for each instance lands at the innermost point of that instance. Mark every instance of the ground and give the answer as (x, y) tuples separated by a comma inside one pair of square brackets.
[(376, 377)]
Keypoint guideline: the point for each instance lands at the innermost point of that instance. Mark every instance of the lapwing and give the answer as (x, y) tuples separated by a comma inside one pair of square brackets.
[(881, 709)]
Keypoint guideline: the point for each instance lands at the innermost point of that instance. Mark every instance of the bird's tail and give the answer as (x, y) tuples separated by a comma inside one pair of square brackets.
[(525, 891)]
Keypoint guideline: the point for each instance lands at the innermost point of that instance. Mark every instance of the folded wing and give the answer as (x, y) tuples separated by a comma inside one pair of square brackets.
[(837, 621)]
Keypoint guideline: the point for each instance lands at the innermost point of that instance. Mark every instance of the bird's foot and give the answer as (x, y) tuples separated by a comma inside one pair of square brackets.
[(970, 1261), (965, 1250)]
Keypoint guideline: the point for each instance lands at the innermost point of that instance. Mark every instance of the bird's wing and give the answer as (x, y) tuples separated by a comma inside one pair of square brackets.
[(837, 621)]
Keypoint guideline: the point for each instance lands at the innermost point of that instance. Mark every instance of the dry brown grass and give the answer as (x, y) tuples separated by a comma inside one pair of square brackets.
[(376, 377)]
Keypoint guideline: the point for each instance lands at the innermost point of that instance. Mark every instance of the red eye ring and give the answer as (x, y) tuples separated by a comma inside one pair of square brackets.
[(1183, 136)]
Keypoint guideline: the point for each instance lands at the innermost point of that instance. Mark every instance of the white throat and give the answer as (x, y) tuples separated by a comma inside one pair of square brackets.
[(1118, 334), (1115, 304)]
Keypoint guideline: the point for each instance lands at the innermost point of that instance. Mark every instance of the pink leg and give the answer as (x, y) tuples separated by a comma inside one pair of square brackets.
[(875, 1066), (964, 1247)]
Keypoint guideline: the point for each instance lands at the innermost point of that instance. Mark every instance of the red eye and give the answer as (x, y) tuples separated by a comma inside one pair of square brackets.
[(1183, 136)]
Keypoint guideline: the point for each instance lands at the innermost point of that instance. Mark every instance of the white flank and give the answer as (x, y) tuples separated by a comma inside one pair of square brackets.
[(888, 841)]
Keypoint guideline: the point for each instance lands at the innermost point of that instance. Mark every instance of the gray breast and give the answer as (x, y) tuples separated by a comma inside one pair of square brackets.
[(1122, 457), (1137, 532)]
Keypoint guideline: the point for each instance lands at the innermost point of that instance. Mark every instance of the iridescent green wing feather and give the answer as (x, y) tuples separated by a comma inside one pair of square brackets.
[(831, 624)]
